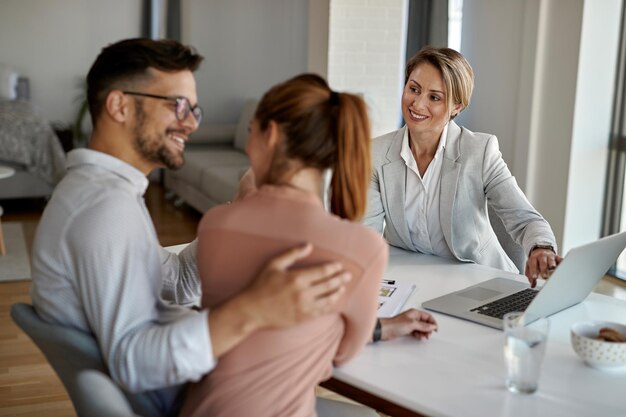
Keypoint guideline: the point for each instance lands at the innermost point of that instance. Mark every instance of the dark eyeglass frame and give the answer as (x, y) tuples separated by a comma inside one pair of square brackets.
[(183, 105)]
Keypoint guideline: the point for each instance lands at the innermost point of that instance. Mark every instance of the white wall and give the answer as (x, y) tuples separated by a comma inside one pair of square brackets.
[(544, 78), (366, 55), (491, 41), (55, 42), (552, 119), (319, 16), (576, 53), (592, 121), (248, 46)]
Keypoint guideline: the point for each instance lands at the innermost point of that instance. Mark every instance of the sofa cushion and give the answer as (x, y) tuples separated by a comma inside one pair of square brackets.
[(214, 134), (197, 160), (241, 135)]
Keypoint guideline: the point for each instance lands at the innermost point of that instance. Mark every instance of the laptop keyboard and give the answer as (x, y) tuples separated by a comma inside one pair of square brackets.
[(515, 302)]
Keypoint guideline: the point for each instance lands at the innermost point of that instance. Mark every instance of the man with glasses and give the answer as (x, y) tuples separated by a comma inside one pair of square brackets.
[(97, 264)]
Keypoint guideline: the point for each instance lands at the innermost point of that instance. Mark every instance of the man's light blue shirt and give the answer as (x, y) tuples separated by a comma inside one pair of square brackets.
[(98, 266)]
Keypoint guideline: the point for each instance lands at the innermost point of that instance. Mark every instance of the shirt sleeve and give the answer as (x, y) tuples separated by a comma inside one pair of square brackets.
[(181, 282), (375, 212), (146, 343), (522, 221)]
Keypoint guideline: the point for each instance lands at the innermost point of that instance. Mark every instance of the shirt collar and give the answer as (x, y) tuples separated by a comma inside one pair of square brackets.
[(118, 167), (406, 153)]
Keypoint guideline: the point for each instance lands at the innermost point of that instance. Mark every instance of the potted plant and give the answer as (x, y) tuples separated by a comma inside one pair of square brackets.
[(81, 126)]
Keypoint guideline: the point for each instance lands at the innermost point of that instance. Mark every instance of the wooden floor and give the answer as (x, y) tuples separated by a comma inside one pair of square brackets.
[(28, 386)]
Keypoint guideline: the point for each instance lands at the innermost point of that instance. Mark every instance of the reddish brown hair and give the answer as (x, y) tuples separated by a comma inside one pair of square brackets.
[(322, 129)]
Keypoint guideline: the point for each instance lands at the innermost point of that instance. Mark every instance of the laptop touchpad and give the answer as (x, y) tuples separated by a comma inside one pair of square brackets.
[(478, 294)]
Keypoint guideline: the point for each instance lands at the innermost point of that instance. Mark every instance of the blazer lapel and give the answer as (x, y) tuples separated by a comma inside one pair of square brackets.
[(394, 179), (450, 170)]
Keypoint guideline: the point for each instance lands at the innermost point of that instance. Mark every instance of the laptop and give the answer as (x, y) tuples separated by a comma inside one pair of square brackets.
[(570, 283)]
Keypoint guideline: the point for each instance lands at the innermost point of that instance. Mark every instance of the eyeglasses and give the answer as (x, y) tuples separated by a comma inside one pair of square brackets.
[(182, 105)]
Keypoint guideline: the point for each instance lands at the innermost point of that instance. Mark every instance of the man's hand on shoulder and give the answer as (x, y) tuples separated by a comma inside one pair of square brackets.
[(283, 297), (279, 297)]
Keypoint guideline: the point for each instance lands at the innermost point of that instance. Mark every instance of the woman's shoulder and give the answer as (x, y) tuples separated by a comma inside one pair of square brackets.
[(223, 215), (381, 146), (367, 234), (466, 133), (474, 141), (387, 139), (212, 217), (357, 241)]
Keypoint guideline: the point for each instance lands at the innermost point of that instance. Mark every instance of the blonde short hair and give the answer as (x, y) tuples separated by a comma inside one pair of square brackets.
[(457, 73)]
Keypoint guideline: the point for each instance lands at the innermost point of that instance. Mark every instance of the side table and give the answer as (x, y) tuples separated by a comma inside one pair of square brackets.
[(5, 172)]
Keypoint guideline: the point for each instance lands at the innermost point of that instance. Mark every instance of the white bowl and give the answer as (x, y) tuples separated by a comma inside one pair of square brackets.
[(599, 353)]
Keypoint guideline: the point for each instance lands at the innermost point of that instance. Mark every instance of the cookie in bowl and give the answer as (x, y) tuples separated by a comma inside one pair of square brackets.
[(601, 344)]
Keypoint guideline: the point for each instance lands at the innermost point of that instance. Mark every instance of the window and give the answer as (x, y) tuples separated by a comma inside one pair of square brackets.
[(455, 24)]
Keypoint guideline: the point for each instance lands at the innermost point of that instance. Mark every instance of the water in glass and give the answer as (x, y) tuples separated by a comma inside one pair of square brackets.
[(524, 350)]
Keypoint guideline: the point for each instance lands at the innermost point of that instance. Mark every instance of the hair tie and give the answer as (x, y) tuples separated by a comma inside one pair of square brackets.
[(334, 98)]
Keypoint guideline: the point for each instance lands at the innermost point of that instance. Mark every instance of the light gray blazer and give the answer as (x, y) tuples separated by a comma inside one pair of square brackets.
[(473, 174)]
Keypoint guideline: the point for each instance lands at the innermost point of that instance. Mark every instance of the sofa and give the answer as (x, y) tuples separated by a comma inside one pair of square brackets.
[(29, 147), (215, 160)]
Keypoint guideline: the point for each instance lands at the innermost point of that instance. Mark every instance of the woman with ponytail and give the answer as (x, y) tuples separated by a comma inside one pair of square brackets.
[(300, 129)]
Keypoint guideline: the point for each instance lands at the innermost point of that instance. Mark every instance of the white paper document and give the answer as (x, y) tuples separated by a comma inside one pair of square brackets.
[(392, 296)]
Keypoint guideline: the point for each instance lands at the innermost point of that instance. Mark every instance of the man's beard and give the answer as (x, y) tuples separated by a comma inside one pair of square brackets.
[(153, 148)]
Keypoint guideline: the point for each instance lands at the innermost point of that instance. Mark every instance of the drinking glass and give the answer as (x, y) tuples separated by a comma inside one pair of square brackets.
[(524, 349)]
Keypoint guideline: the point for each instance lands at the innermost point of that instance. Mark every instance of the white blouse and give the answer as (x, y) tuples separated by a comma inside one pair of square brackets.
[(421, 206)]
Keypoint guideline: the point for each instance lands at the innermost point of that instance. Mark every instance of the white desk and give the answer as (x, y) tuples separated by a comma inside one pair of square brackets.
[(460, 370)]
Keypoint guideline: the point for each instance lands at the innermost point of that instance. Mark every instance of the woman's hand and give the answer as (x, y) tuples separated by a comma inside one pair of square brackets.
[(541, 262), (419, 324)]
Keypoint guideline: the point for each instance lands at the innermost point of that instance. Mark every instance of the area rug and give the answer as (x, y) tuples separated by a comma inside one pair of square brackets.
[(15, 264)]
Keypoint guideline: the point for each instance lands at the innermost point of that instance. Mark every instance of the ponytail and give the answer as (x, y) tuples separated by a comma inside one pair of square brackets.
[(322, 129), (352, 167)]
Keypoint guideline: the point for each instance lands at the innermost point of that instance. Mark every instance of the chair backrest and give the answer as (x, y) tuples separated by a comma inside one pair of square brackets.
[(514, 251), (75, 357)]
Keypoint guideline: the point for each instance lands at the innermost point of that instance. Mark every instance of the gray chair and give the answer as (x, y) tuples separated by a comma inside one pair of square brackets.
[(514, 251), (75, 357), (325, 407)]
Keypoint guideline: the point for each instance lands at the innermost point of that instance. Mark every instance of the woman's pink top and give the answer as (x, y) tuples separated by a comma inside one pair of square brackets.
[(274, 372)]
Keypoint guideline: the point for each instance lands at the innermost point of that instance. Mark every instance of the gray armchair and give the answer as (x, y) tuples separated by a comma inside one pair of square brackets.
[(75, 357)]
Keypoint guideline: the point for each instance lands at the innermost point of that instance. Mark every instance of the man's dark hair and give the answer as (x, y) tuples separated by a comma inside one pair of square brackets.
[(126, 61)]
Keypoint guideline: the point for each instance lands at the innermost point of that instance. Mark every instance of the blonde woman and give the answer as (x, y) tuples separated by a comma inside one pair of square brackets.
[(432, 179)]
